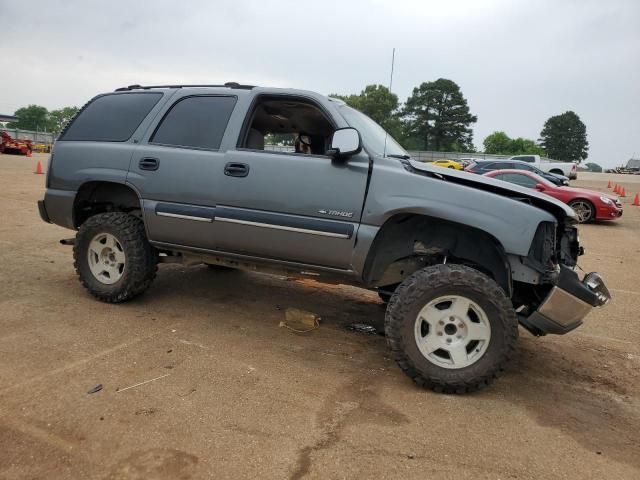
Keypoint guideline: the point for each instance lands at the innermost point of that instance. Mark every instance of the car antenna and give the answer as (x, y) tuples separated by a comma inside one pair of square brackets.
[(393, 61)]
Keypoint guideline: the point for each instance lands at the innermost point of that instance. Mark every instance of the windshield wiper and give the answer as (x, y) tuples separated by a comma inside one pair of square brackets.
[(401, 157)]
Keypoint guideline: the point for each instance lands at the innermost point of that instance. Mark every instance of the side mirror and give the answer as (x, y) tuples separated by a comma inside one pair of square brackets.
[(345, 143), (540, 187)]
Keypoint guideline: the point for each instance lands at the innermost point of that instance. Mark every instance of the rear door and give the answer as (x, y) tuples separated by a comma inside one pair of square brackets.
[(178, 169)]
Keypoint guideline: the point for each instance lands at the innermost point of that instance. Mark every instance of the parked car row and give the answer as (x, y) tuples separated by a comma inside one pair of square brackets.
[(484, 166), (589, 205)]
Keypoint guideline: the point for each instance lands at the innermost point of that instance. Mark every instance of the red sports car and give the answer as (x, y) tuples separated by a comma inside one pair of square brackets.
[(589, 205)]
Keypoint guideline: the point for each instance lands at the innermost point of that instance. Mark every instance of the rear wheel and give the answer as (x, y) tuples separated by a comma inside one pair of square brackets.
[(585, 211), (451, 328), (113, 258)]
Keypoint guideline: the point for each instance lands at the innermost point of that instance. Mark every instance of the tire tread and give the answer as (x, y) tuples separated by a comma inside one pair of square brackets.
[(412, 288), (142, 261)]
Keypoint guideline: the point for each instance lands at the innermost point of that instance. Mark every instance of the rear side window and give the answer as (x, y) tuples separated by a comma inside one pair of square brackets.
[(195, 122), (111, 118)]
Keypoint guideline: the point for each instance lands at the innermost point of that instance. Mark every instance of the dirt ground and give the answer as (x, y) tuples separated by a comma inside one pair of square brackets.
[(236, 396)]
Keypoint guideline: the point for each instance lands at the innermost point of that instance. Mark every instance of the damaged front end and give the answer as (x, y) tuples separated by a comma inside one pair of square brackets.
[(561, 301)]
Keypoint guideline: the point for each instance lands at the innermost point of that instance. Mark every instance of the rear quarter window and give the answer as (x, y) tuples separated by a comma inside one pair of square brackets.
[(195, 122), (111, 118)]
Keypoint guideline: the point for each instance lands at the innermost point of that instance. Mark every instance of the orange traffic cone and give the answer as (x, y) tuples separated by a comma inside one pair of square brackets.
[(609, 184), (636, 201), (622, 193), (615, 189), (38, 168)]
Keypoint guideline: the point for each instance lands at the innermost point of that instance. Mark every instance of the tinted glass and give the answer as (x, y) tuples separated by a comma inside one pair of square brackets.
[(524, 166), (111, 118), (195, 122), (502, 165), (518, 179)]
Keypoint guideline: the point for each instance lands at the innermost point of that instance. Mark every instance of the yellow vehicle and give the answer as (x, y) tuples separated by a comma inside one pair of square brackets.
[(447, 164)]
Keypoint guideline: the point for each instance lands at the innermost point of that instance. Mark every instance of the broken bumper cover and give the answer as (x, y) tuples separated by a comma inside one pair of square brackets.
[(568, 303)]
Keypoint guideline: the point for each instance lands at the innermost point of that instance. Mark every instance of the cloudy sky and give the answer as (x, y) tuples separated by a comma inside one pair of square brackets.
[(517, 62)]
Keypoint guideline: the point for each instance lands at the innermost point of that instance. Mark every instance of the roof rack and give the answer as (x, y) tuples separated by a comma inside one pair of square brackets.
[(148, 87)]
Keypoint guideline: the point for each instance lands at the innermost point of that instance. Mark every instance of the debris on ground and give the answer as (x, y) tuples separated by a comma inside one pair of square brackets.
[(300, 321), (141, 383), (95, 389), (363, 328)]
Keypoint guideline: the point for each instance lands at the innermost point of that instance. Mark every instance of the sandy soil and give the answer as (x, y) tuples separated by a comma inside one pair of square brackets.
[(240, 397)]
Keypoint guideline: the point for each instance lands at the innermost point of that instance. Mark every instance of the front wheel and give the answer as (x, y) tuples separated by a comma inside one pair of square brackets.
[(113, 258), (585, 211), (451, 328)]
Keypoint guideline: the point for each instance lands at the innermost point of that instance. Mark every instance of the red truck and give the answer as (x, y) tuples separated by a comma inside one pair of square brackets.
[(15, 146)]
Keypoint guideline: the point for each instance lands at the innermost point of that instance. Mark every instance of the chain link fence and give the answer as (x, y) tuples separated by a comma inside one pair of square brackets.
[(36, 137)]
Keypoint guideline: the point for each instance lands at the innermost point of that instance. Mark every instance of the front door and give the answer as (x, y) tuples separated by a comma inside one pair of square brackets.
[(298, 207)]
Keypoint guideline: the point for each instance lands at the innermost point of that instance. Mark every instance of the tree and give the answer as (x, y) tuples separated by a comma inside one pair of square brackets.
[(593, 167), (564, 137), (437, 117), (59, 118), (523, 146), (33, 117), (499, 143), (380, 104)]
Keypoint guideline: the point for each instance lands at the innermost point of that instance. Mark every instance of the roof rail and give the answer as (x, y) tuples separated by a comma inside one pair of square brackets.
[(148, 87)]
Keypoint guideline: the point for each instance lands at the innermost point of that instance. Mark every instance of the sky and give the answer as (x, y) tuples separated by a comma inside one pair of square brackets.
[(516, 62)]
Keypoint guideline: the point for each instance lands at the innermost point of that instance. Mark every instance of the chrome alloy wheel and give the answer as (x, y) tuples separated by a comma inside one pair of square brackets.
[(582, 209), (452, 332), (106, 258)]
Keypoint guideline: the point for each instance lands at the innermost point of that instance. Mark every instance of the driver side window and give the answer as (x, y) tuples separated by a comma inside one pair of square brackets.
[(288, 125)]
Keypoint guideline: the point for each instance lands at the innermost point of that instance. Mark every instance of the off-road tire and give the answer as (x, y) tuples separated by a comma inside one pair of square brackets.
[(440, 280), (141, 258)]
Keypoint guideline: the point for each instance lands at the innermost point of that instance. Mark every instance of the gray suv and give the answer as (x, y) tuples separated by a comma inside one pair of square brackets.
[(197, 174)]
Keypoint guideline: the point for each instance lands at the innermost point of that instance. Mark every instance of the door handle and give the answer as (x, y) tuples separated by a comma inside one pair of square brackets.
[(149, 163), (236, 169)]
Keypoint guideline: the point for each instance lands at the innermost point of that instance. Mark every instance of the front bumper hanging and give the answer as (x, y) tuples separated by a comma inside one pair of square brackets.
[(568, 303)]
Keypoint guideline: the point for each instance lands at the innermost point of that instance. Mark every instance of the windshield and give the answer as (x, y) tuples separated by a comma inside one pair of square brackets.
[(373, 135)]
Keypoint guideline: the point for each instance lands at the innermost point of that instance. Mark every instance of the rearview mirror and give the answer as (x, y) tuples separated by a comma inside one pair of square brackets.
[(540, 187), (345, 142)]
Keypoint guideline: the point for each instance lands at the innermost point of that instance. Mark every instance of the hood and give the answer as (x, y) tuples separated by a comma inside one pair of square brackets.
[(587, 192), (499, 187)]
